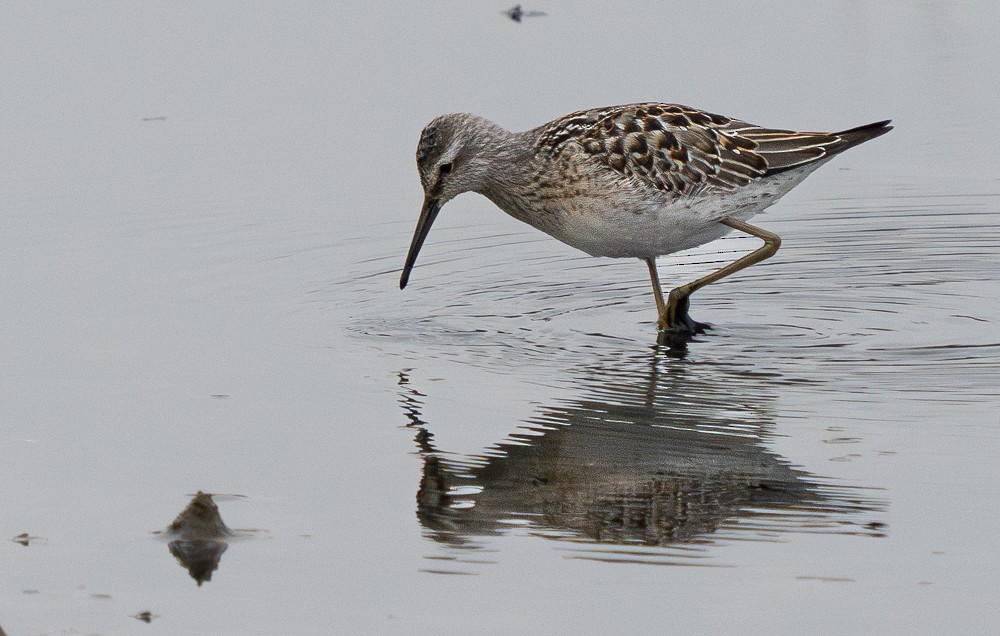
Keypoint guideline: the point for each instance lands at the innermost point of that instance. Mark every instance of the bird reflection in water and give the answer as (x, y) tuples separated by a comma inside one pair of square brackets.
[(655, 460)]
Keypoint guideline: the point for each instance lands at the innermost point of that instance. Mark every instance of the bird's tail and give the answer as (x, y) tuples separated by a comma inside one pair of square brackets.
[(861, 134), (787, 150)]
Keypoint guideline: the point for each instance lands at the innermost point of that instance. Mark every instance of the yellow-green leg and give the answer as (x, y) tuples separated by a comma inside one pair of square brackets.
[(674, 316), (657, 288)]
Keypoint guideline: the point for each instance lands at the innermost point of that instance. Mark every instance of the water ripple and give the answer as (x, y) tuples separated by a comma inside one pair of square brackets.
[(880, 287)]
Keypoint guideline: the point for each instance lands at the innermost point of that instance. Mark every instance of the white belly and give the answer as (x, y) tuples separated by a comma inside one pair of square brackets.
[(619, 226)]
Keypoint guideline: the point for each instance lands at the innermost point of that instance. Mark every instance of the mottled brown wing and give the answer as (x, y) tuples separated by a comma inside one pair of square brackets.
[(685, 151), (673, 148)]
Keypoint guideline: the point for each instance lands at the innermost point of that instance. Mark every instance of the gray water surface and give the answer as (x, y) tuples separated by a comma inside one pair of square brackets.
[(205, 209)]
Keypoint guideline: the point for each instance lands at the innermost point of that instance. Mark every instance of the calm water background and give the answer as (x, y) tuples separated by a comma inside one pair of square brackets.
[(205, 207)]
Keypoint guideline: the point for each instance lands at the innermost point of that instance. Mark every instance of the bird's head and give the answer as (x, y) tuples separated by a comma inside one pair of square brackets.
[(450, 162)]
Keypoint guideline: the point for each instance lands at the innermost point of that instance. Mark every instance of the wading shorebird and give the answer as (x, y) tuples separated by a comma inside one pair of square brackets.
[(637, 180)]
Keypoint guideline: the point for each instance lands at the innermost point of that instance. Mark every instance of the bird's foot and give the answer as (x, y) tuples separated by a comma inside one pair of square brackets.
[(676, 325)]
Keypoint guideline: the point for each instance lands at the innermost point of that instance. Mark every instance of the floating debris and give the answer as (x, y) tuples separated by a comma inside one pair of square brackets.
[(157, 118), (826, 579), (516, 13), (146, 616), (199, 537), (200, 520), (26, 539)]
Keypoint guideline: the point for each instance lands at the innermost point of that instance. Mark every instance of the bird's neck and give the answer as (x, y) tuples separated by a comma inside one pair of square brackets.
[(503, 162)]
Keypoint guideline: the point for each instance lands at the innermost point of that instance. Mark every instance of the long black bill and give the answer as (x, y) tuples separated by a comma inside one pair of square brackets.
[(427, 215)]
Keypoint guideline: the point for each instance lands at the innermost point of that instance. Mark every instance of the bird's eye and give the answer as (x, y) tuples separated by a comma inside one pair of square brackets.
[(445, 168)]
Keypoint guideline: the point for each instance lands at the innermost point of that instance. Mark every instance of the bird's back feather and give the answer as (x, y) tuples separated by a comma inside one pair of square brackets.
[(687, 152)]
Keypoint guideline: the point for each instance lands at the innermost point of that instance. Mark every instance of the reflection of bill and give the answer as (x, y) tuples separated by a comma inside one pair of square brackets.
[(653, 456)]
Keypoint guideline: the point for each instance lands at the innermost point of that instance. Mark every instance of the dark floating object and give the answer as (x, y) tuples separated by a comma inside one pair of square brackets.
[(826, 579), (199, 537), (158, 118), (516, 13), (146, 617), (26, 539), (200, 521)]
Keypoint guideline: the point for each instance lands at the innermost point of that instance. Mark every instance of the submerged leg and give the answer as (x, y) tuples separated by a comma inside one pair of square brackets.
[(674, 316)]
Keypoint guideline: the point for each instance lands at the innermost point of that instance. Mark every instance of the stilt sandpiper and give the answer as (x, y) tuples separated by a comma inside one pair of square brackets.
[(638, 180)]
